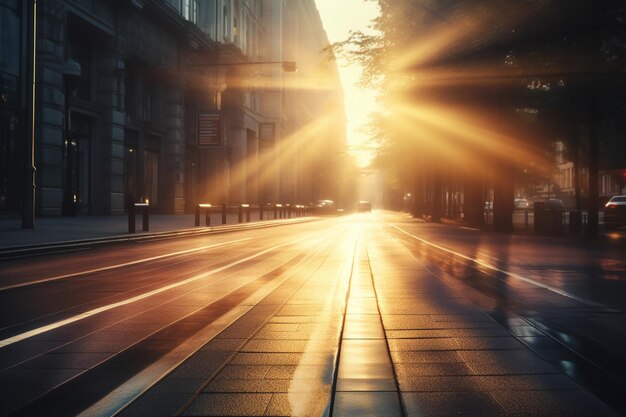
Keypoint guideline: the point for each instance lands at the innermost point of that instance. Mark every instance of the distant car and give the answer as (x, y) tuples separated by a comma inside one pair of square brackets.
[(615, 212), (521, 204), (364, 206), (325, 207), (554, 204)]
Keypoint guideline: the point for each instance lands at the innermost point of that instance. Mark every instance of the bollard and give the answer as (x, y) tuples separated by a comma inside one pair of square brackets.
[(224, 213), (240, 214), (246, 208), (207, 214), (131, 217), (145, 212), (288, 214), (146, 217), (260, 211)]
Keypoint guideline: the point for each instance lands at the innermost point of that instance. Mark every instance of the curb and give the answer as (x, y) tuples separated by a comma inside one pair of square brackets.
[(80, 244)]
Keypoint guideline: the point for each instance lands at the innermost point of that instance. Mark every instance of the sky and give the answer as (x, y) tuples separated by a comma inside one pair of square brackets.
[(339, 18)]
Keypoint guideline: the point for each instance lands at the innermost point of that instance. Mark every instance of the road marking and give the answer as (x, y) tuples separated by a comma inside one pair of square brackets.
[(306, 393), (106, 268), (87, 314), (487, 254), (511, 274), (118, 399)]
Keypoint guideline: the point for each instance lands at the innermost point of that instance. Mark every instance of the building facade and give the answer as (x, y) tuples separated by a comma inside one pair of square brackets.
[(174, 102), (13, 22), (562, 185)]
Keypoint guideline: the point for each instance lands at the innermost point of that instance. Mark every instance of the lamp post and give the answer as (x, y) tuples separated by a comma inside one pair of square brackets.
[(71, 74), (28, 199)]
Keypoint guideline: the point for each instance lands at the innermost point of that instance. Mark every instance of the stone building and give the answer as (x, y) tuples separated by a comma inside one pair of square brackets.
[(174, 102), (13, 22)]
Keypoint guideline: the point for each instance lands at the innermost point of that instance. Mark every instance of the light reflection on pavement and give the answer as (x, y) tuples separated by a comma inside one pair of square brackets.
[(341, 316)]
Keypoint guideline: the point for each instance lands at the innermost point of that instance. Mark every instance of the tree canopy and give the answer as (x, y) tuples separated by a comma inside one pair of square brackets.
[(487, 84)]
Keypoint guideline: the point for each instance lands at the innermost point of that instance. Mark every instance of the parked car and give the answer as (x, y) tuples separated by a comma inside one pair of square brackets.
[(364, 206), (615, 212), (521, 204)]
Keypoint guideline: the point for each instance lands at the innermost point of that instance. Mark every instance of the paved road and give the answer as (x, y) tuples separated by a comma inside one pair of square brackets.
[(348, 316)]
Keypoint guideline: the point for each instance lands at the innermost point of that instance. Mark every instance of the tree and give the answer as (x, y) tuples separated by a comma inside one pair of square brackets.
[(482, 90)]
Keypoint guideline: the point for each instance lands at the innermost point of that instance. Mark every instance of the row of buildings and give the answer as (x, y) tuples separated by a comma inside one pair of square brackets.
[(612, 179), (174, 102)]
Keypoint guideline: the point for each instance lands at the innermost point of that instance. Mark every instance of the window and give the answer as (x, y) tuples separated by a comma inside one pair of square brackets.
[(254, 100), (81, 52), (139, 95), (206, 19), (190, 10), (176, 4), (9, 41), (225, 24), (249, 38)]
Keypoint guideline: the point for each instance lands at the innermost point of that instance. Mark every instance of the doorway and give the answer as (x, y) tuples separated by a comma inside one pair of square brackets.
[(131, 163), (82, 129)]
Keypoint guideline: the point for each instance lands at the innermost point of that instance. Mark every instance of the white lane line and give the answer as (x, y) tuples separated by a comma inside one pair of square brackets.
[(122, 396), (106, 268), (118, 399), (488, 254), (52, 326), (511, 274)]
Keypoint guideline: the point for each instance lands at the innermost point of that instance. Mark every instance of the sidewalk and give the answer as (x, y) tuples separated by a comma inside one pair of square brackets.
[(57, 230)]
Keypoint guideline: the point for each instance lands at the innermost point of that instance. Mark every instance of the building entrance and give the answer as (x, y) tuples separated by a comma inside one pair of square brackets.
[(82, 135)]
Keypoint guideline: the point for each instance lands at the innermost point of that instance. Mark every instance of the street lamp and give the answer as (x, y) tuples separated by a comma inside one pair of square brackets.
[(71, 74)]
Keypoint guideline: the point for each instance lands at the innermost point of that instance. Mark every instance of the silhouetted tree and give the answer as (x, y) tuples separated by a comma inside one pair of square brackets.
[(482, 89)]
